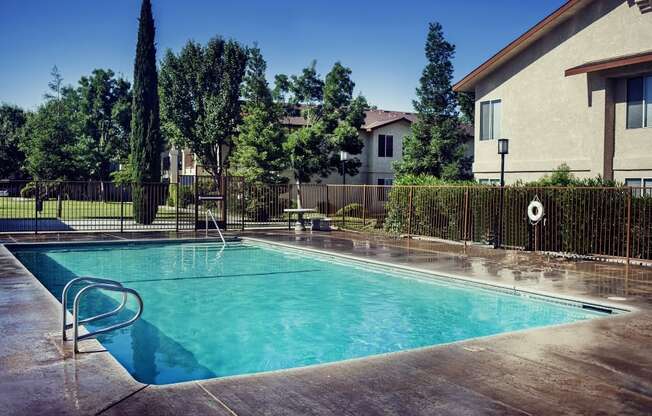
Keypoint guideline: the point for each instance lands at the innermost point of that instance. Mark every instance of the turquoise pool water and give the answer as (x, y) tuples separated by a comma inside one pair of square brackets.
[(254, 307)]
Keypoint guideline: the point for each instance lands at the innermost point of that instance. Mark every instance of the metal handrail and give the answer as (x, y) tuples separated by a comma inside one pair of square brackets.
[(87, 279), (109, 287), (209, 212)]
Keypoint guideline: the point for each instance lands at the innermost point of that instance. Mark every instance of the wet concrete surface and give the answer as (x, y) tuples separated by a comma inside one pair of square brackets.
[(601, 366)]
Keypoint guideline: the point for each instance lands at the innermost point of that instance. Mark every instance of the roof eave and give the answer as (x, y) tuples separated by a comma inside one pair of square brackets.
[(611, 63), (467, 84)]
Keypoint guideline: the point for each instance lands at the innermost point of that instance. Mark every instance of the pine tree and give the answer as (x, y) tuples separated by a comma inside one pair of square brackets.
[(146, 142), (258, 154), (333, 118), (343, 116), (436, 145)]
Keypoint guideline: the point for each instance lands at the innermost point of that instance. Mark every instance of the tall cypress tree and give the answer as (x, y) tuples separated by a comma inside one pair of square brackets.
[(436, 145), (145, 124)]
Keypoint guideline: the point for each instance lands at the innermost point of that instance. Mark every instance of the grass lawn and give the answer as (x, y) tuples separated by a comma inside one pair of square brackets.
[(24, 208)]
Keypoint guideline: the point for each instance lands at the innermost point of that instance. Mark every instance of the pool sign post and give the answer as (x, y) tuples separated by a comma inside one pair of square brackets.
[(503, 149)]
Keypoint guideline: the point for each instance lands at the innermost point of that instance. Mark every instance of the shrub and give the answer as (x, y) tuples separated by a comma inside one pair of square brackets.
[(186, 196), (350, 210), (28, 190), (432, 203)]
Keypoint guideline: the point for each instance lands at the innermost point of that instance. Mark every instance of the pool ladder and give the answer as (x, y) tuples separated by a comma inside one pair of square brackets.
[(92, 284)]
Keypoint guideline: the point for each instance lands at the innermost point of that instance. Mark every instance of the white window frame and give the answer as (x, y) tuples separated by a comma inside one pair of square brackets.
[(644, 186), (493, 182), (645, 123), (492, 103)]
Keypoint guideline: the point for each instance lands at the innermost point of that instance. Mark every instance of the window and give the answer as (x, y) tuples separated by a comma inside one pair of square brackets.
[(645, 183), (382, 192), (639, 102), (385, 145), (489, 181), (490, 120)]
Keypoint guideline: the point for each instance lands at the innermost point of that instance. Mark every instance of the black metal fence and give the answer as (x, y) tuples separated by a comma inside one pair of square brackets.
[(605, 222), (41, 206)]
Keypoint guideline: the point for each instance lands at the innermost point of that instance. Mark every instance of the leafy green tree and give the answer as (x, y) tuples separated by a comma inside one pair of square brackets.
[(105, 105), (200, 99), (281, 88), (146, 143), (436, 145), (258, 155), (333, 118), (12, 120), (50, 141)]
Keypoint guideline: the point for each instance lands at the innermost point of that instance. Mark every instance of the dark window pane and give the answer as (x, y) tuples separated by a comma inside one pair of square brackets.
[(485, 120), (389, 146), (381, 145), (634, 103)]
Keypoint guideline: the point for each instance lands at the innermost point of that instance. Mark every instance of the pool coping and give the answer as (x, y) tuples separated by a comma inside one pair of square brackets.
[(621, 308), (96, 346)]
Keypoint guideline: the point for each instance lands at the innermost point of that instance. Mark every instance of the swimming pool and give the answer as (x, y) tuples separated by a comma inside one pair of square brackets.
[(252, 307)]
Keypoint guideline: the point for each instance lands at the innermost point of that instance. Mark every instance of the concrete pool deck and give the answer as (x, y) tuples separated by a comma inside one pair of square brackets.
[(601, 366)]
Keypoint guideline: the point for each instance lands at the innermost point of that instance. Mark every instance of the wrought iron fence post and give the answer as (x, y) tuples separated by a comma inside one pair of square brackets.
[(343, 206), (364, 205), (466, 215), (59, 201), (410, 211), (223, 183), (290, 206), (327, 202), (244, 202), (122, 207), (36, 202), (629, 224), (196, 193), (176, 205)]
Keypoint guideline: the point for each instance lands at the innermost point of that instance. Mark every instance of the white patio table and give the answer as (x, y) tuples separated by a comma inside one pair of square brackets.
[(300, 224)]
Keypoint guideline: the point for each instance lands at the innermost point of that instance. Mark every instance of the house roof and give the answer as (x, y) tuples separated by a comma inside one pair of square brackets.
[(378, 118), (373, 119), (551, 21), (610, 63)]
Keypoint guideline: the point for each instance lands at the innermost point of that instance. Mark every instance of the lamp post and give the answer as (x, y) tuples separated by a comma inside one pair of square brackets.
[(344, 156), (503, 149)]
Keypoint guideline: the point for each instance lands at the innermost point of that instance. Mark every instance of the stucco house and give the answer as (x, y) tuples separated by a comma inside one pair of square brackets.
[(382, 133), (575, 88)]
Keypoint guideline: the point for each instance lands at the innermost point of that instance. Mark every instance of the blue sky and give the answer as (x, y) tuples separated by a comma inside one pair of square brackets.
[(382, 41)]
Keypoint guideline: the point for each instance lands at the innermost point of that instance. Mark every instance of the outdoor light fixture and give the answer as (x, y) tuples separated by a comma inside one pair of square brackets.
[(503, 149), (503, 146), (343, 158)]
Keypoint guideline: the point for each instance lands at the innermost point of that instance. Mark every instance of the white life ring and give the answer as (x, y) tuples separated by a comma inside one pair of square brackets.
[(535, 211)]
